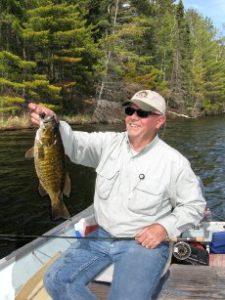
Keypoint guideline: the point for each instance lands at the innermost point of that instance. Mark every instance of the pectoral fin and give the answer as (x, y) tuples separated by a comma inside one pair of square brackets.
[(67, 186), (30, 153)]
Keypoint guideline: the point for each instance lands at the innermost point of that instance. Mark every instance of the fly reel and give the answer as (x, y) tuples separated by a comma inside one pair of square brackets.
[(181, 250)]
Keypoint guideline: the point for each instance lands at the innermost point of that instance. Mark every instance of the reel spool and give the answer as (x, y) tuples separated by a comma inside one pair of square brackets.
[(181, 250)]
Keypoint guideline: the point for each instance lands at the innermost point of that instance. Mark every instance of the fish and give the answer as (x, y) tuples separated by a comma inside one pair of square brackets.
[(50, 165)]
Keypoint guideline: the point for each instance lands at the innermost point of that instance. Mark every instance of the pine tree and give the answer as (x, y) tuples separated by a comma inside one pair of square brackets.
[(58, 38), (130, 45), (207, 66), (18, 84), (181, 73)]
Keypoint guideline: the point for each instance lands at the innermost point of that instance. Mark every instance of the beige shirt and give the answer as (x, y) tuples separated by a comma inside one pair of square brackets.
[(134, 190)]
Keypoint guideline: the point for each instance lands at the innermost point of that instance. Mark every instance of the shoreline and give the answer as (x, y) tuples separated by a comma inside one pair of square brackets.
[(23, 122)]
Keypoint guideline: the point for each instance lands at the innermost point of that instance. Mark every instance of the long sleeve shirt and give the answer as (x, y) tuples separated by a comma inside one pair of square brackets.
[(134, 190)]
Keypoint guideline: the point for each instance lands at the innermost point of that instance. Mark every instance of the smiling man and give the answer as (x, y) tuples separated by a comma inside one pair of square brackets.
[(143, 124), (145, 193)]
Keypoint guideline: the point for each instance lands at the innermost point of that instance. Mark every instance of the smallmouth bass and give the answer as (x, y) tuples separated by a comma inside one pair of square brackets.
[(50, 165)]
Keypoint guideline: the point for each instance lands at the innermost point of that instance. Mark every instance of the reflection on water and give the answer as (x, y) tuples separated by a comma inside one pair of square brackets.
[(23, 211)]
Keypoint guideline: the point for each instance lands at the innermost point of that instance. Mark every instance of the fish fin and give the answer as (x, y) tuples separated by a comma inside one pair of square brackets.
[(30, 153), (67, 185), (60, 211), (41, 190)]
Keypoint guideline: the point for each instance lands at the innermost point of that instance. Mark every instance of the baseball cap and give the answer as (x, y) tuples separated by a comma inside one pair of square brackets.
[(149, 101)]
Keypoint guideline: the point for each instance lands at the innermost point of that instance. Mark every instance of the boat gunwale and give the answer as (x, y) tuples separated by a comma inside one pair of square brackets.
[(31, 246)]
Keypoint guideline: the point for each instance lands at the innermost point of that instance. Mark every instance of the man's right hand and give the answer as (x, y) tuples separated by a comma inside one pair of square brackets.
[(36, 110)]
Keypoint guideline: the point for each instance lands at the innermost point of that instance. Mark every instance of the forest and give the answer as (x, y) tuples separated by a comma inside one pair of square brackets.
[(68, 54)]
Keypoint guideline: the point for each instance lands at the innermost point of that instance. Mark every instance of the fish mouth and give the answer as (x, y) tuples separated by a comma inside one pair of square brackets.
[(48, 119), (42, 115), (45, 120)]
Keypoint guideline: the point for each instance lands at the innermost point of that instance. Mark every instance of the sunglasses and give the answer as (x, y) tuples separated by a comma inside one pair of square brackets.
[(129, 111)]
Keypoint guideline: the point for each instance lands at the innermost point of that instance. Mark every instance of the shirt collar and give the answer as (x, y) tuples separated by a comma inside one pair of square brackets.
[(147, 147)]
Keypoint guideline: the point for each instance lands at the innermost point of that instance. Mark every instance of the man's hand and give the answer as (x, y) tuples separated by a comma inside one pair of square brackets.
[(152, 236), (36, 110)]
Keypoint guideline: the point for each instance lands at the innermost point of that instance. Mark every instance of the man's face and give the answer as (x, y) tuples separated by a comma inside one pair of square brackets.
[(143, 129)]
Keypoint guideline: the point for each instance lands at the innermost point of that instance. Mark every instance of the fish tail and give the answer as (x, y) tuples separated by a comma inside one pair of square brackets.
[(59, 211)]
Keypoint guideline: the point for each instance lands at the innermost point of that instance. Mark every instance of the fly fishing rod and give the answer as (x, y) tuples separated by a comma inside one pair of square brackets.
[(14, 237)]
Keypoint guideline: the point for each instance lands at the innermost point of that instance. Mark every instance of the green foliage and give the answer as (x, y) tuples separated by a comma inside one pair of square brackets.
[(19, 84), (8, 99), (10, 62), (58, 38), (207, 65), (41, 90), (7, 83), (61, 52)]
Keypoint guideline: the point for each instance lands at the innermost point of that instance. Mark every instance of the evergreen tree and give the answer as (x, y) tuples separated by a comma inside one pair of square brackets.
[(18, 84), (59, 40), (181, 73), (207, 66), (130, 56), (11, 15), (50, 48), (163, 12)]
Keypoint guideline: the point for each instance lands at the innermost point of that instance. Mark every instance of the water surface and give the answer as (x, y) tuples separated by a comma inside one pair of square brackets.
[(23, 211)]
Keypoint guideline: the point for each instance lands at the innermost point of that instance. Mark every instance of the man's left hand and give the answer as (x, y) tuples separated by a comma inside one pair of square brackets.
[(152, 236)]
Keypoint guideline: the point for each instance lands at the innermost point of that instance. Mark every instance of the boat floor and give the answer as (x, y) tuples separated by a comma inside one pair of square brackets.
[(183, 282)]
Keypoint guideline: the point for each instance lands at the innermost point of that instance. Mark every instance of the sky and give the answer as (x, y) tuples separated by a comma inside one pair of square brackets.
[(214, 9)]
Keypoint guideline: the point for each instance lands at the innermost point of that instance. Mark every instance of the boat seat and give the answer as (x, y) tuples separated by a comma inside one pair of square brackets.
[(34, 288)]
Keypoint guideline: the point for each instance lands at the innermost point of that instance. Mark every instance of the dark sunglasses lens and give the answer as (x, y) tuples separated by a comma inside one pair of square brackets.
[(142, 113), (129, 111)]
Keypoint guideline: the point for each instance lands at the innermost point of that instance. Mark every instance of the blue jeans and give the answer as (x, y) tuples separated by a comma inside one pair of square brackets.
[(137, 270)]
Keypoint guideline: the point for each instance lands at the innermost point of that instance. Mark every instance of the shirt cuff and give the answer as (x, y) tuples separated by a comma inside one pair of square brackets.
[(169, 224)]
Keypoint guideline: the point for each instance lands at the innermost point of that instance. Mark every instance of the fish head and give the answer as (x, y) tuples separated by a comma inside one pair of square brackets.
[(48, 129)]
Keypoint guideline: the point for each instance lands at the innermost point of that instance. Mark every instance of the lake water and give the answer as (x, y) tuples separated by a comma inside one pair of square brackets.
[(23, 211)]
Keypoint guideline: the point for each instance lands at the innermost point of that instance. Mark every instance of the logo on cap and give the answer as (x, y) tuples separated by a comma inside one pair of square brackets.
[(142, 94)]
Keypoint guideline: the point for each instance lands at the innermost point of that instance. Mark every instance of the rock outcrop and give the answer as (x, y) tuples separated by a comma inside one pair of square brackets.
[(108, 112)]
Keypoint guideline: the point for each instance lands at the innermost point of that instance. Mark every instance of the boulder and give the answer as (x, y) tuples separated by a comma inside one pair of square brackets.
[(108, 112)]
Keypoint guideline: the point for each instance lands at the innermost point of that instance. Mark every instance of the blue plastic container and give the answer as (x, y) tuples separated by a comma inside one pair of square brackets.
[(218, 243)]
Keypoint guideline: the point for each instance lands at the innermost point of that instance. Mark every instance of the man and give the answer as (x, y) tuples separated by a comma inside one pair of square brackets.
[(145, 190)]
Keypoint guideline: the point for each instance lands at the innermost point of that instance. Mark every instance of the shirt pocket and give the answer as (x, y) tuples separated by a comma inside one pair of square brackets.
[(105, 182), (147, 197)]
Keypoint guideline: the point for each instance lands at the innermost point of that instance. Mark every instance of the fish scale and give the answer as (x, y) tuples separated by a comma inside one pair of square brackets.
[(51, 172)]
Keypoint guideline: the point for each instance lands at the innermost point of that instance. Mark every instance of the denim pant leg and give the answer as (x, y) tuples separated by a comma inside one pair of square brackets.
[(67, 278), (137, 271)]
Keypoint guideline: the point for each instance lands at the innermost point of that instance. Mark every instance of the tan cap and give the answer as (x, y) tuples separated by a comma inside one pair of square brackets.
[(149, 101)]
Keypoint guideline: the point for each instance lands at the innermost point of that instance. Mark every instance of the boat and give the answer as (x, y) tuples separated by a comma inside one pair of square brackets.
[(22, 264), (21, 272)]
